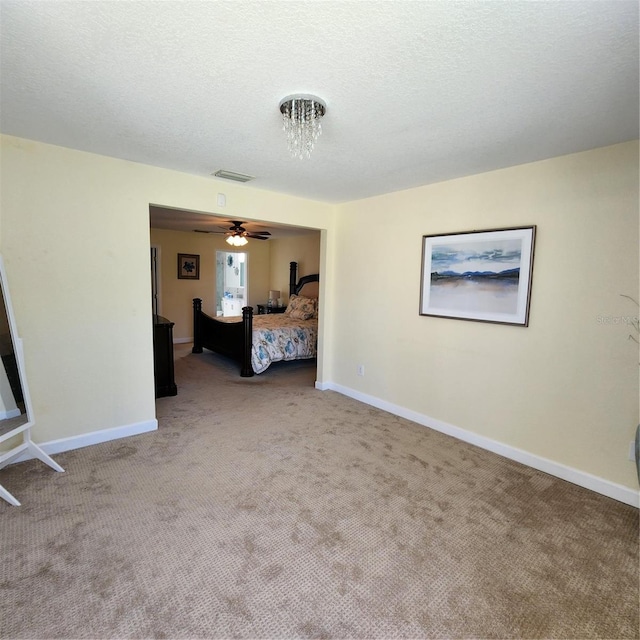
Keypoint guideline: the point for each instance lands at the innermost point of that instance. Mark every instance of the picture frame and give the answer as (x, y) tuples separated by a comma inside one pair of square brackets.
[(484, 276), (188, 266)]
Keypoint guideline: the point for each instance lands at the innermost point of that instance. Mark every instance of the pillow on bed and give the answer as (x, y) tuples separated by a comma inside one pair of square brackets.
[(301, 308)]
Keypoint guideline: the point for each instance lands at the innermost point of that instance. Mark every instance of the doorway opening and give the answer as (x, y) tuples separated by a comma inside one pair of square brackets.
[(231, 283)]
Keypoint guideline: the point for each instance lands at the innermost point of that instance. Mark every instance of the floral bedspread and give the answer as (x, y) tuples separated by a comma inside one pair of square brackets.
[(278, 337)]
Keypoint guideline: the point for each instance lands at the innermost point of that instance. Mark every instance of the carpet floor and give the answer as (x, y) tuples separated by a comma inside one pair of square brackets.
[(264, 508)]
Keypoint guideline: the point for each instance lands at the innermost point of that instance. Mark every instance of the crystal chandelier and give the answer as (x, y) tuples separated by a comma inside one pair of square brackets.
[(301, 121)]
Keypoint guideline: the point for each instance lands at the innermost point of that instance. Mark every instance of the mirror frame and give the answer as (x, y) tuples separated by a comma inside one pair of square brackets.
[(16, 342), (28, 447)]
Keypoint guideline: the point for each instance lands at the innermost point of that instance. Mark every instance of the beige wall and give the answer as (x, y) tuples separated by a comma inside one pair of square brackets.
[(303, 249), (566, 387), (177, 295), (75, 240)]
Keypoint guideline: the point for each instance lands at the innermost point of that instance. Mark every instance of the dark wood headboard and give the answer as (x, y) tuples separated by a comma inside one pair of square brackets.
[(296, 285)]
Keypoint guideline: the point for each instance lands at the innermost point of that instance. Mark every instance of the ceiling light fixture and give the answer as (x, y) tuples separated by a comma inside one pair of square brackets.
[(301, 122), (236, 240)]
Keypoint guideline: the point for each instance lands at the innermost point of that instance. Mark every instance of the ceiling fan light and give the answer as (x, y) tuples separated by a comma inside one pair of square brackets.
[(236, 240)]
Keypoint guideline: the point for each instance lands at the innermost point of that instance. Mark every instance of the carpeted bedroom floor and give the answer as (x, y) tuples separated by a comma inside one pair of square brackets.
[(263, 508)]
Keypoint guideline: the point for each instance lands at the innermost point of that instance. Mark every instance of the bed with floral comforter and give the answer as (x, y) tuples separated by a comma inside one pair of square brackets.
[(257, 341), (279, 337)]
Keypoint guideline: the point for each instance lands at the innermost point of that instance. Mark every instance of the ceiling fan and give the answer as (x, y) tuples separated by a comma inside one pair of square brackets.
[(237, 235)]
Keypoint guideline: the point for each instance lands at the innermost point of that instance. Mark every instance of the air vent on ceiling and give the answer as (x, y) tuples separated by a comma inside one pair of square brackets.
[(231, 175)]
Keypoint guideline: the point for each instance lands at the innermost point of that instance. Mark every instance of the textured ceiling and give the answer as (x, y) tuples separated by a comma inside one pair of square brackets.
[(183, 220), (416, 91)]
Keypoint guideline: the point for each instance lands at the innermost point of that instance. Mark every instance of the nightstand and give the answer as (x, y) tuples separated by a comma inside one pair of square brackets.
[(263, 308)]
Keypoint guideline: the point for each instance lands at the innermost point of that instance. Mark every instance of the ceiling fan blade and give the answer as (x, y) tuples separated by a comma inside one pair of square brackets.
[(238, 231)]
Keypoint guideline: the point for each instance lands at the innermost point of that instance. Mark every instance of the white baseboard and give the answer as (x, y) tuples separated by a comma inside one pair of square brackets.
[(575, 476), (95, 437), (182, 340)]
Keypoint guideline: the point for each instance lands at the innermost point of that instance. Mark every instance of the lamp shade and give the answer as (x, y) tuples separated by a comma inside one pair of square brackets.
[(274, 295)]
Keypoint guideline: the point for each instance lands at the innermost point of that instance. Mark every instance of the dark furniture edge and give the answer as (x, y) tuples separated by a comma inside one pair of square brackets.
[(163, 367)]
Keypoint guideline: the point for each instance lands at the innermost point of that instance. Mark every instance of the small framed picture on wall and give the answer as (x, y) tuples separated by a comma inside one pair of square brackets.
[(188, 266)]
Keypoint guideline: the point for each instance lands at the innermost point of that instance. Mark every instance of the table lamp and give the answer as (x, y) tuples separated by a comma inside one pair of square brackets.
[(273, 298)]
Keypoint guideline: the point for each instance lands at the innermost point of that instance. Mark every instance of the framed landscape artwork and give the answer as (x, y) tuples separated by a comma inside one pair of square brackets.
[(188, 266), (478, 275)]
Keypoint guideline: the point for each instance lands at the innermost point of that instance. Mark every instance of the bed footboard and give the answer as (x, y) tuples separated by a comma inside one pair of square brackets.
[(231, 339)]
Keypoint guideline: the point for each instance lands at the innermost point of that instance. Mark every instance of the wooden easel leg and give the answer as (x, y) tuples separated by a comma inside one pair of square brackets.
[(8, 497), (37, 452)]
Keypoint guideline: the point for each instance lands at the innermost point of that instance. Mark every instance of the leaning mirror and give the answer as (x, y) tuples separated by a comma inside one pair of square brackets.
[(16, 415), (13, 411)]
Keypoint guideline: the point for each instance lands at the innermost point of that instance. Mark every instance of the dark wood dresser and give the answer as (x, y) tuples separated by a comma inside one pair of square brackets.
[(163, 357)]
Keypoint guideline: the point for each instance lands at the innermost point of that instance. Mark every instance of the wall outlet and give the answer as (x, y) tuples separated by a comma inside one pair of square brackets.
[(632, 451), (360, 369)]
